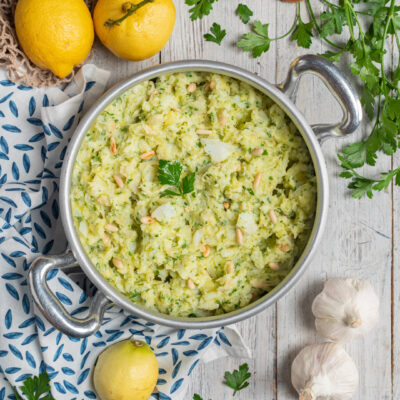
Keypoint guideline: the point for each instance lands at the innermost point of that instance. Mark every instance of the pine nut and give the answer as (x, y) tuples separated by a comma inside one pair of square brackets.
[(191, 87), (190, 284), (154, 92), (230, 267), (118, 181), (176, 109), (113, 146), (284, 247), (259, 284), (146, 220), (147, 155), (212, 85), (206, 250), (222, 117), (106, 240), (257, 181), (239, 168), (272, 216), (274, 266), (226, 205), (239, 236), (118, 264), (111, 228), (257, 152), (203, 131)]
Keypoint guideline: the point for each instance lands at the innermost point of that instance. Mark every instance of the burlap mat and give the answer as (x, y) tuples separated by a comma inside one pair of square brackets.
[(12, 58)]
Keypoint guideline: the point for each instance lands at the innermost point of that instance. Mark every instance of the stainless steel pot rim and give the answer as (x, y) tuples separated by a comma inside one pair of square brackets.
[(320, 216)]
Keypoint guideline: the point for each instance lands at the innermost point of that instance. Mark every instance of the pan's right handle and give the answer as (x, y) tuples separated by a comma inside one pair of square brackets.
[(52, 308), (338, 85)]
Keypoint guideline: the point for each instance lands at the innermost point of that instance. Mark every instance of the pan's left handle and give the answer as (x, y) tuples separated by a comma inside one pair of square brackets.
[(52, 308), (338, 85)]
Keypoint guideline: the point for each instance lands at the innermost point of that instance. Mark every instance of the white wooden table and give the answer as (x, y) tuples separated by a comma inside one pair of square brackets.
[(361, 240)]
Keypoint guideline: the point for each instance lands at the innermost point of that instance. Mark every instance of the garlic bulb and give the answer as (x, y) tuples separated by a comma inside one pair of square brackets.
[(324, 371), (345, 309)]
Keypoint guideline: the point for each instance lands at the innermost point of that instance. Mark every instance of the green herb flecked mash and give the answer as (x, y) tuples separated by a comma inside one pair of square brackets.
[(212, 247)]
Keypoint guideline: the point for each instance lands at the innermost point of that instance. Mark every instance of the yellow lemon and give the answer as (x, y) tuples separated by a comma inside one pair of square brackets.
[(54, 34), (127, 370), (135, 29)]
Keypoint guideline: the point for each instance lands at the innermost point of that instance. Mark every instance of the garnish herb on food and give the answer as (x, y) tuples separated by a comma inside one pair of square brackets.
[(169, 173), (35, 388), (199, 8), (128, 8), (244, 13), (238, 379), (340, 26), (216, 35), (197, 397)]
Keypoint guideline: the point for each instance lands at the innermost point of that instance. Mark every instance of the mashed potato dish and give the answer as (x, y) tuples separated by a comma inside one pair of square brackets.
[(193, 194)]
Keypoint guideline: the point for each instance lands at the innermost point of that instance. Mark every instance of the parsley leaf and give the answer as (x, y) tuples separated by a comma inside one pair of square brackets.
[(169, 173), (257, 41), (334, 20), (303, 34), (217, 32), (200, 8), (36, 388), (237, 380), (197, 397), (188, 183), (244, 13)]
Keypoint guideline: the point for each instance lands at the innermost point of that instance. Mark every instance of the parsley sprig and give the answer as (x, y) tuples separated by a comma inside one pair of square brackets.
[(36, 388), (216, 35), (258, 41), (238, 379), (169, 173)]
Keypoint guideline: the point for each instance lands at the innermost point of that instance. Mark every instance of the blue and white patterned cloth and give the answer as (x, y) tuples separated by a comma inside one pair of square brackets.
[(35, 127)]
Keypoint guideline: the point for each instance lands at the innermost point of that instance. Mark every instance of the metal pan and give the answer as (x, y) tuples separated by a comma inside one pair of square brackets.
[(284, 95)]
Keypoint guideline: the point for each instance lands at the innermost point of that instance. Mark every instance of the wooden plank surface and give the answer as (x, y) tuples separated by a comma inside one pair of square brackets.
[(360, 240)]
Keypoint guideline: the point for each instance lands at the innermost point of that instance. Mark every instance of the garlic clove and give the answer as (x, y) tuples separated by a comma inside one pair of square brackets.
[(324, 371), (345, 309)]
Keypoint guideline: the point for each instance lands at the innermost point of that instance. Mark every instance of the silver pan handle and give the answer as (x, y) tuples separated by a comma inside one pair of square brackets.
[(52, 308), (339, 86)]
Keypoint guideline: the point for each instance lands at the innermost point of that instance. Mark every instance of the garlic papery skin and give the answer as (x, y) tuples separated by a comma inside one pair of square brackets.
[(345, 309), (324, 371)]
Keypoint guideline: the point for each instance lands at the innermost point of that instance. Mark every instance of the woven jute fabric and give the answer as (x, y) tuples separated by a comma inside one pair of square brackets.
[(12, 58)]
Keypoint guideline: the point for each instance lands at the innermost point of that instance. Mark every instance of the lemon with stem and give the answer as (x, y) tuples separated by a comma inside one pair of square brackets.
[(136, 29), (127, 370)]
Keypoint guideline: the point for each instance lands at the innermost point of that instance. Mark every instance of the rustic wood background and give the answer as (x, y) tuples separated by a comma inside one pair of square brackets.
[(361, 240)]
